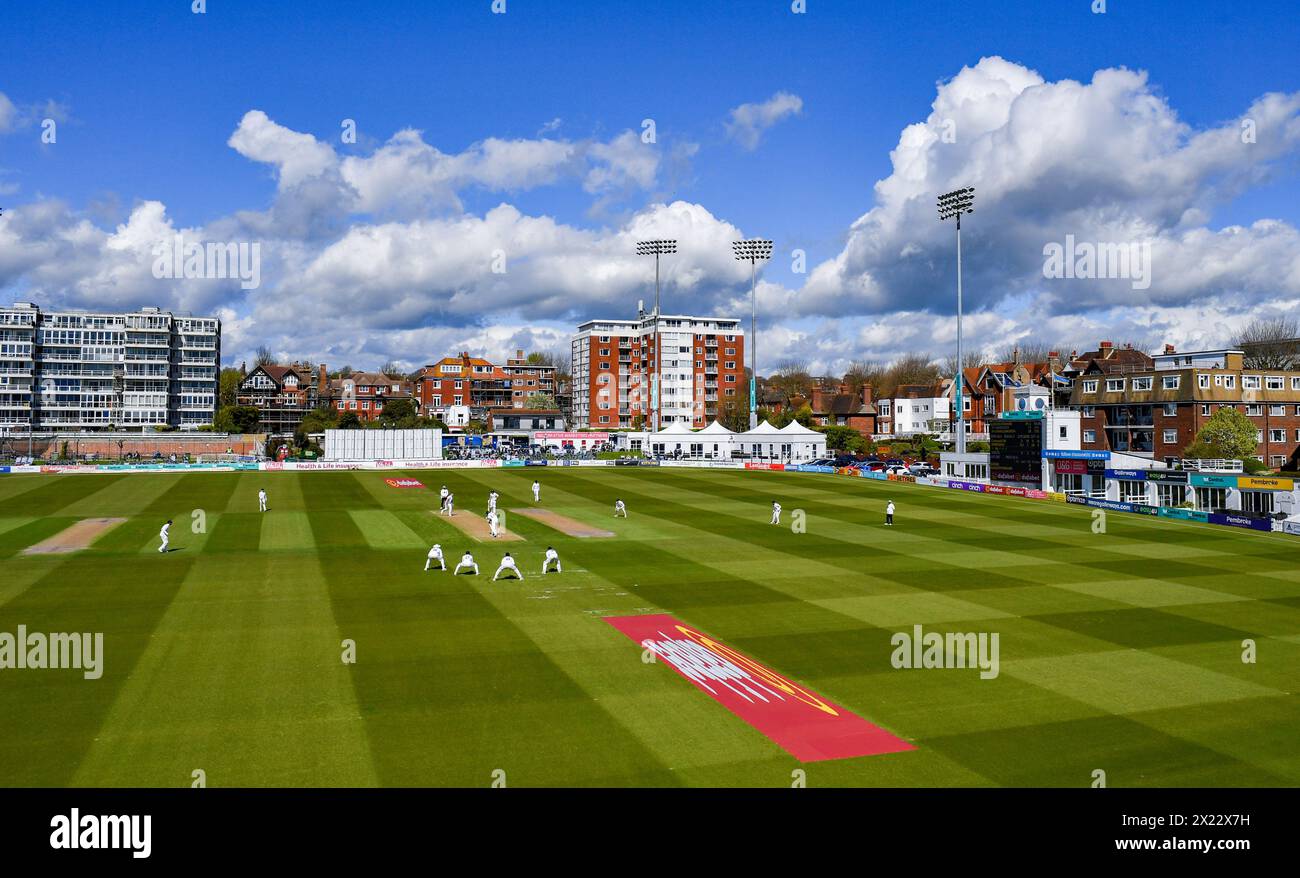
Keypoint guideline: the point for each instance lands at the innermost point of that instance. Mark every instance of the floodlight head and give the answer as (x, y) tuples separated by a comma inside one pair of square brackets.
[(955, 203), (656, 246), (752, 250)]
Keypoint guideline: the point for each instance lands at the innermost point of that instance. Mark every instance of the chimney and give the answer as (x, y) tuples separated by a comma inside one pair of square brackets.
[(324, 379), (519, 354), (866, 394)]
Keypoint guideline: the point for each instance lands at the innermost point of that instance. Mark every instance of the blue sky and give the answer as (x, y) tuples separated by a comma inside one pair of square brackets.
[(147, 95)]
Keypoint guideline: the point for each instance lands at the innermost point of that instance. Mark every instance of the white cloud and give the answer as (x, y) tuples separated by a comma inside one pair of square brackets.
[(749, 121), (372, 256), (1105, 161)]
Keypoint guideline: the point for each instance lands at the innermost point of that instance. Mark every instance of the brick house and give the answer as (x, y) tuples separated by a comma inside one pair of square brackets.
[(836, 406), (481, 384), (1159, 409), (283, 395), (363, 393)]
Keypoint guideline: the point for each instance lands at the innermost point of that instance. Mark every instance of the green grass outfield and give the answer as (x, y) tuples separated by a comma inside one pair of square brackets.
[(1120, 652)]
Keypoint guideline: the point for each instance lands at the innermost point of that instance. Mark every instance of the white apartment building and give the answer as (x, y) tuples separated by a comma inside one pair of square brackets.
[(700, 362), (80, 370)]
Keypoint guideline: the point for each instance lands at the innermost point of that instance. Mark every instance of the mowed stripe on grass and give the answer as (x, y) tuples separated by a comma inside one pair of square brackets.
[(438, 664), (1119, 651)]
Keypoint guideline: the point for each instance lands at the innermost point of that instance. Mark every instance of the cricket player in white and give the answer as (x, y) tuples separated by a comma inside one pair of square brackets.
[(466, 560), (889, 514), (451, 504), (552, 557), (442, 499), (776, 512), (492, 522), (435, 554), (163, 533), (619, 509), (261, 499), (492, 501), (508, 563), (537, 491)]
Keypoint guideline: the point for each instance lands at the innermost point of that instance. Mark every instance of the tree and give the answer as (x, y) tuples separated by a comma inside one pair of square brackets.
[(1228, 434), (236, 419), (1031, 350), (349, 421), (539, 401), (792, 378), (319, 419), (860, 373), (391, 369), (907, 369), (229, 390), (844, 439), (264, 357), (970, 360), (1270, 343), (397, 409)]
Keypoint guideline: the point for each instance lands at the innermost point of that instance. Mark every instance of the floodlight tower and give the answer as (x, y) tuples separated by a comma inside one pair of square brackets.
[(656, 247), (753, 251), (951, 206)]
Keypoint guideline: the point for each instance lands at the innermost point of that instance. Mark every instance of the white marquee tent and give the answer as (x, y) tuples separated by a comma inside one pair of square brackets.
[(794, 442)]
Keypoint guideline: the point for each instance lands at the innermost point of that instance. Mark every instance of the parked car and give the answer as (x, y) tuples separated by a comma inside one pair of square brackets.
[(922, 469)]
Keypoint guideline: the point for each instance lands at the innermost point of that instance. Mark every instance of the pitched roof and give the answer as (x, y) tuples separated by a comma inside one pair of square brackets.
[(716, 429), (794, 428)]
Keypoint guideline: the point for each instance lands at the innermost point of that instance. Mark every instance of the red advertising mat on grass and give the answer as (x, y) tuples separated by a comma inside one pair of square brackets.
[(801, 722)]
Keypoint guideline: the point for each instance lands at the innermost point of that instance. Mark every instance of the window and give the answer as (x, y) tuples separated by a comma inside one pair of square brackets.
[(1277, 435), (1295, 384), (1132, 492), (365, 405), (1089, 435), (1273, 382), (1089, 411), (730, 364), (1205, 409), (1255, 410), (1170, 382), (1090, 387), (1142, 383), (1257, 501), (1169, 437), (1230, 381), (1203, 381), (1171, 494), (1259, 435), (1114, 385), (1171, 409), (1250, 382), (604, 352), (1210, 499), (1277, 411)]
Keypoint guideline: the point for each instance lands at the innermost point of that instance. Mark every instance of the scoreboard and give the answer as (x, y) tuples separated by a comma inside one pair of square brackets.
[(1016, 450)]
